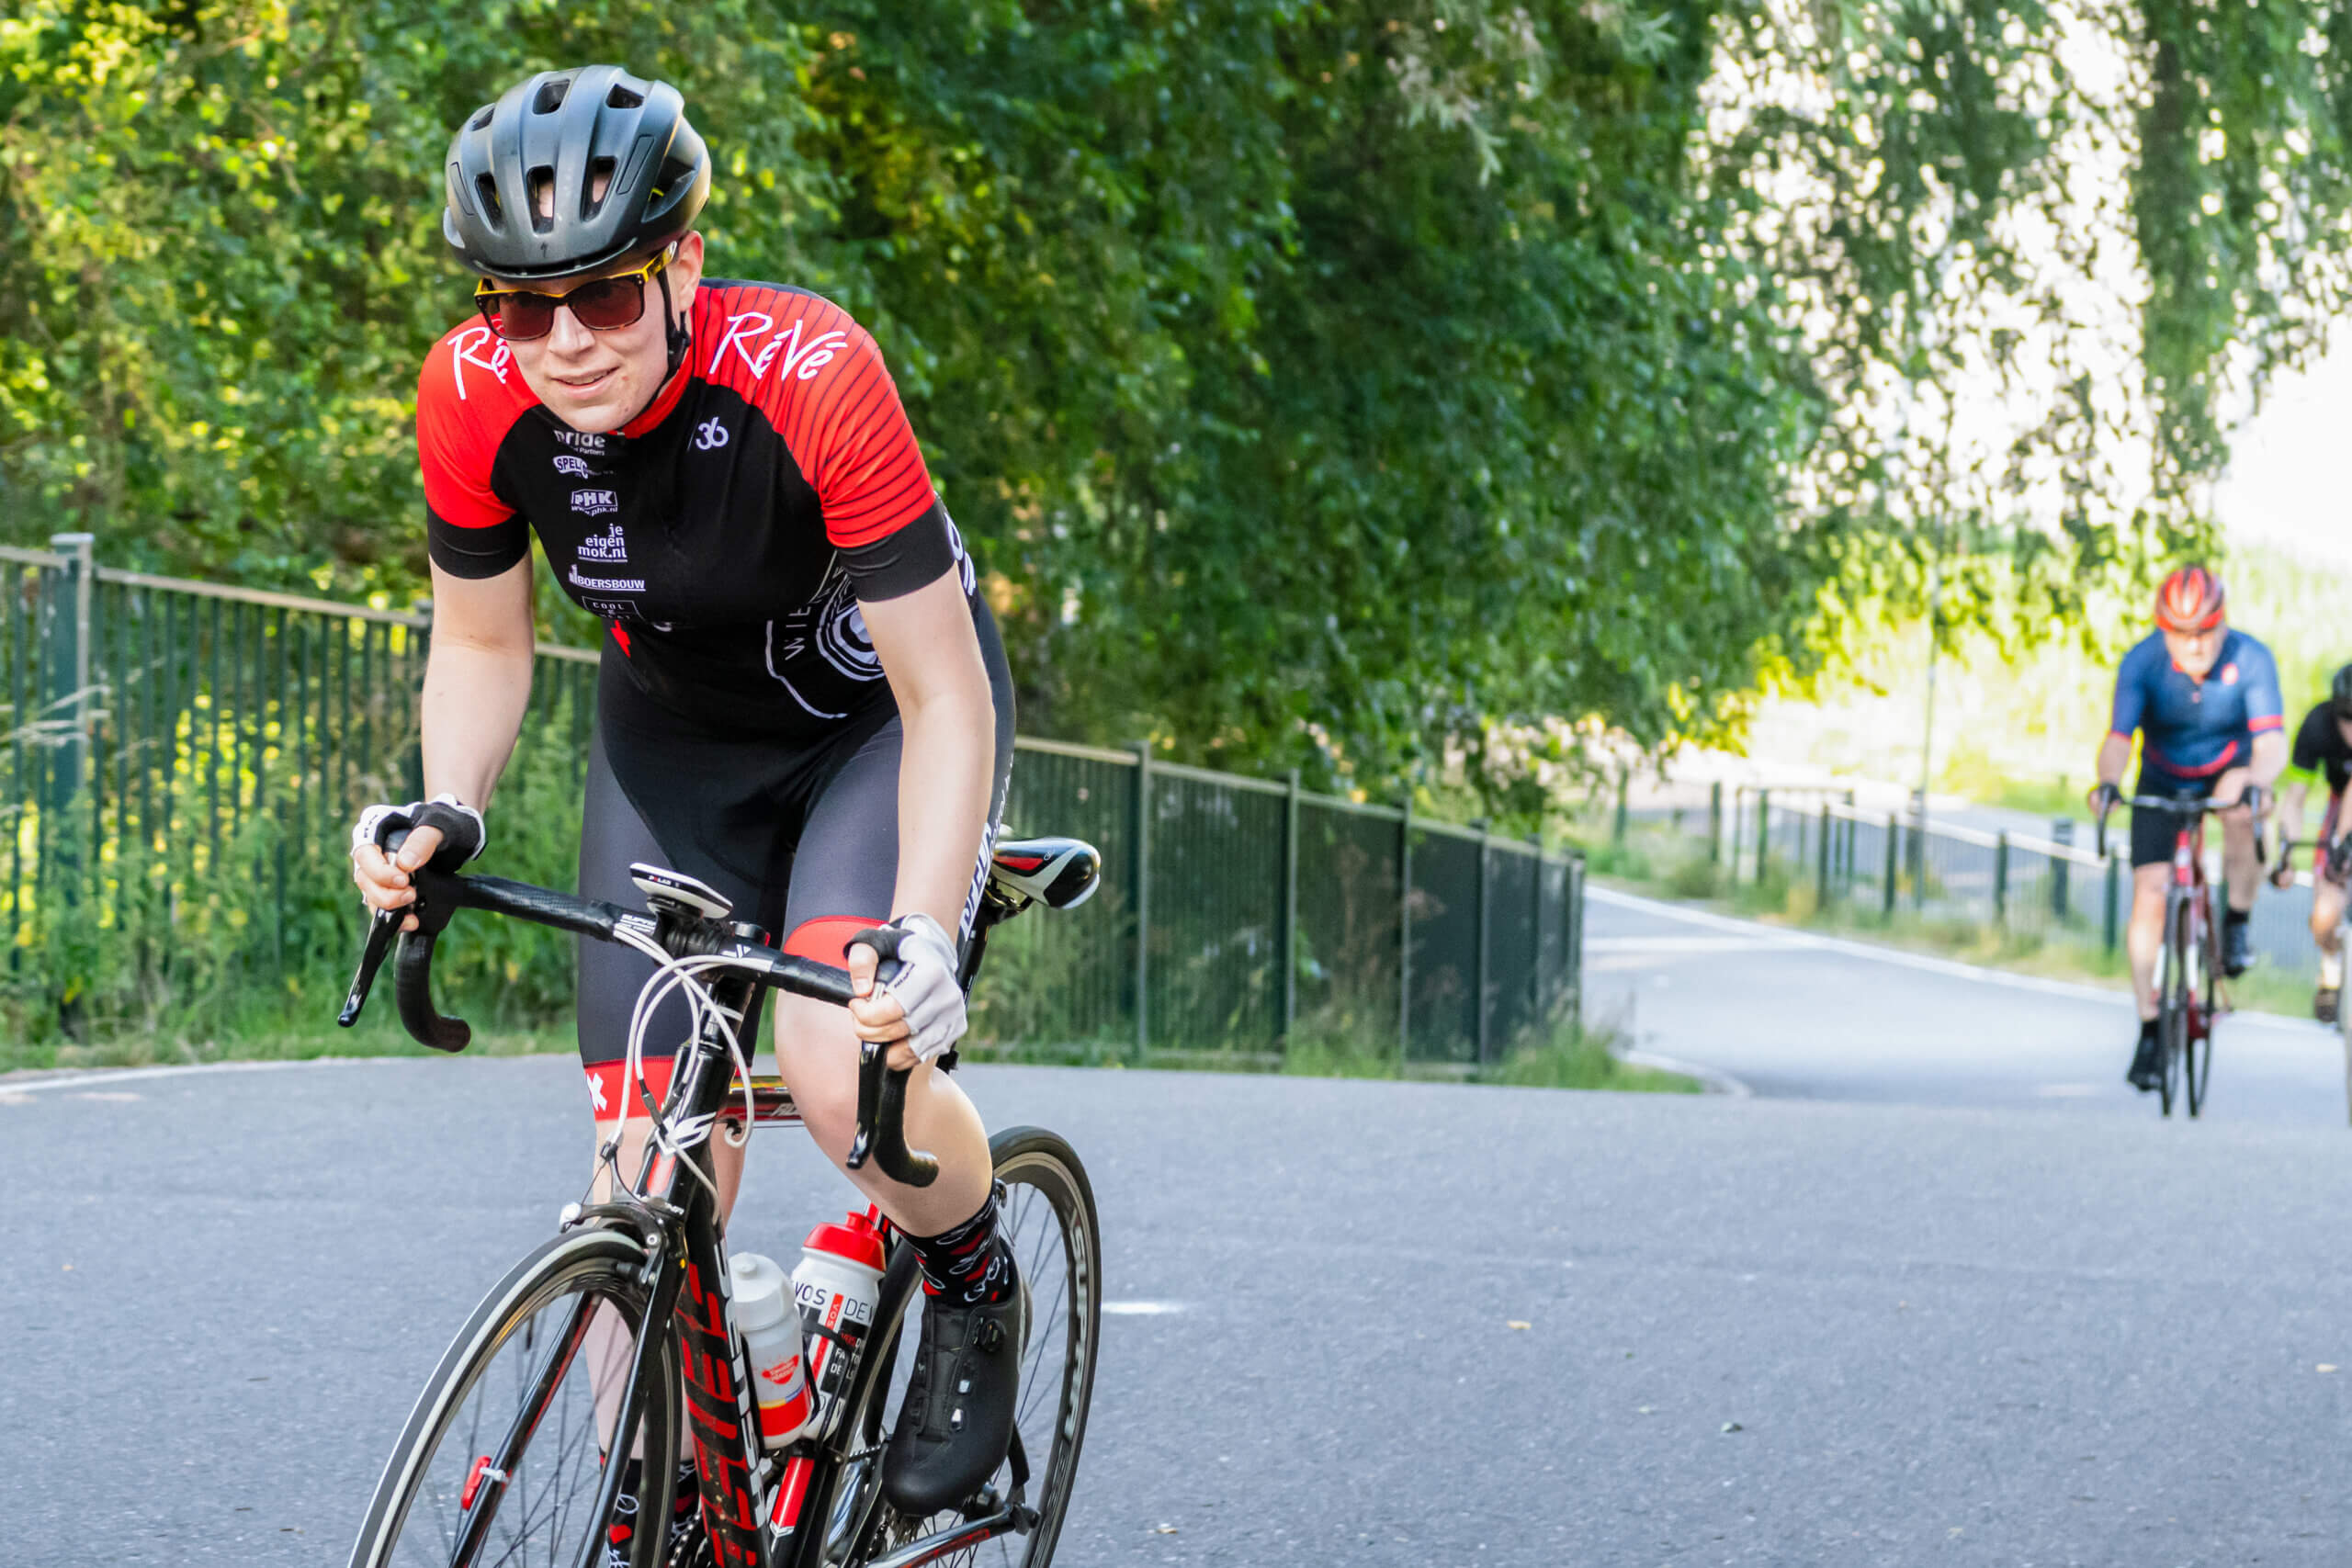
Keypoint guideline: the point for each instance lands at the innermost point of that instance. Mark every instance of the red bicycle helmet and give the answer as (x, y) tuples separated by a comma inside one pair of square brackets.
[(2192, 600)]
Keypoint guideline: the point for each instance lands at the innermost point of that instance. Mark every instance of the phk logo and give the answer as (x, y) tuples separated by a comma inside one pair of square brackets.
[(596, 503)]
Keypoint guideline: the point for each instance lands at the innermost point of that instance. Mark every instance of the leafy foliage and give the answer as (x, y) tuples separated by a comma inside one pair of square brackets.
[(1320, 383)]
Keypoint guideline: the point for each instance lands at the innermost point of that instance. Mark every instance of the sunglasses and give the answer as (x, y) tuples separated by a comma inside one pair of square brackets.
[(518, 315)]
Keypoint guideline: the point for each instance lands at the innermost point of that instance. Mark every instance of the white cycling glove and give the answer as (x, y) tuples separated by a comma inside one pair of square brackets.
[(926, 986), (462, 833)]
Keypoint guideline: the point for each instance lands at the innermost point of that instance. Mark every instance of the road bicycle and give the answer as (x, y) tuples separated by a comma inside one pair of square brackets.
[(2331, 862), (616, 1337), (2190, 994)]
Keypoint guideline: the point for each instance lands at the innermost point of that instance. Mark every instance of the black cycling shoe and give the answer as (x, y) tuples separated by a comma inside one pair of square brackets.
[(2324, 1002), (2237, 948), (2147, 1064), (956, 1424)]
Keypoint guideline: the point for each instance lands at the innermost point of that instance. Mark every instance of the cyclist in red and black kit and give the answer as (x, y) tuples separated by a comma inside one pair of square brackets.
[(802, 700), (2323, 752)]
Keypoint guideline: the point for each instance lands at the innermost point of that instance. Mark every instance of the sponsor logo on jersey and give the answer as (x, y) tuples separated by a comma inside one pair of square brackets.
[(784, 351), (580, 441), (2229, 674), (596, 503), (565, 463), (467, 348), (606, 584), (609, 546), (709, 435)]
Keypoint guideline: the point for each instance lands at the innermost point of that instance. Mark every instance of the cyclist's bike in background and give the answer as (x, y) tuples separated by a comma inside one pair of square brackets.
[(509, 1455), (2189, 992), (2333, 861)]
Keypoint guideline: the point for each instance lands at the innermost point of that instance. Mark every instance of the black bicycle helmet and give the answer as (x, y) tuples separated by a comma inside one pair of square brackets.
[(524, 173), (2340, 693)]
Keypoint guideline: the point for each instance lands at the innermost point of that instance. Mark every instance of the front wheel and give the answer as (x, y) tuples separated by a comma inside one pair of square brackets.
[(1048, 1214), (2174, 996), (2197, 1057), (503, 1459)]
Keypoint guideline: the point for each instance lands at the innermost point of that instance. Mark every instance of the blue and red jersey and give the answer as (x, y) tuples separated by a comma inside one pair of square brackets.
[(2192, 730)]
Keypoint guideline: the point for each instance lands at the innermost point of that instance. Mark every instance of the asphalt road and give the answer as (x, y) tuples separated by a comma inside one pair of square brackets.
[(1789, 1013), (1937, 1320)]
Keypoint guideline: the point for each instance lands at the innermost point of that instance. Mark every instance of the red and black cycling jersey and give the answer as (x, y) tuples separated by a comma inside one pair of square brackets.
[(727, 534)]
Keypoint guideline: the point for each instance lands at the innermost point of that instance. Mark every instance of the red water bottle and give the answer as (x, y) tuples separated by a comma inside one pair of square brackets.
[(837, 1288)]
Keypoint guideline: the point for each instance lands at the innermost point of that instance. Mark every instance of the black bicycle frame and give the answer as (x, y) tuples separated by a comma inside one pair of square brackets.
[(755, 1520)]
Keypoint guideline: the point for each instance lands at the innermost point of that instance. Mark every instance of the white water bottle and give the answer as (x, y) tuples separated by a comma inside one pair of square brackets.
[(771, 1331), (837, 1287)]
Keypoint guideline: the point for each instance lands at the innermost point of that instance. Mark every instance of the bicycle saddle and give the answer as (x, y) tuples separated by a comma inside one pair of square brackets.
[(1060, 874)]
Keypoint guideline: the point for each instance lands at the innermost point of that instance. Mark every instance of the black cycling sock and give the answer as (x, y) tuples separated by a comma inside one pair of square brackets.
[(968, 1265), (2236, 916)]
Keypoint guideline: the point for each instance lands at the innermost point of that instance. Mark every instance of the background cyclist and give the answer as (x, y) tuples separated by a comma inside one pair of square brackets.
[(802, 702), (2204, 699), (2323, 746)]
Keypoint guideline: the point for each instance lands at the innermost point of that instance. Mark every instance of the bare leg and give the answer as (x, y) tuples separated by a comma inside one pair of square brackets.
[(2143, 939), (817, 1052)]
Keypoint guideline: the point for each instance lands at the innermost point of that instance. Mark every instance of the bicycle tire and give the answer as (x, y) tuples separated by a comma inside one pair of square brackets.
[(598, 1264), (2171, 1001), (2197, 1058), (1034, 1165), (2344, 1027)]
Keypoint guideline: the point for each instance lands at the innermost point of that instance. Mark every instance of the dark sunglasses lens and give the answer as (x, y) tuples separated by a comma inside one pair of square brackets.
[(608, 303), (523, 316)]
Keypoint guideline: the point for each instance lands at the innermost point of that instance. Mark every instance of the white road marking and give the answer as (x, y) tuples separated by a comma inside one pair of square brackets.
[(1141, 1309), (14, 1090), (1677, 944)]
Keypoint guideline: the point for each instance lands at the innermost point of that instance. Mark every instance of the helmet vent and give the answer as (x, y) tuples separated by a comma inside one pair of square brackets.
[(540, 182), (621, 98), (481, 117), (600, 182), (486, 187), (550, 97)]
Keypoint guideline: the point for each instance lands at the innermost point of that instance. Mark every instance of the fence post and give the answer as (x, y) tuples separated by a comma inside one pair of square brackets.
[(1142, 829), (1405, 928), (1763, 833), (1887, 888), (67, 702), (1290, 906), (1624, 775), (1732, 860), (2112, 888), (2062, 832), (1821, 858), (1715, 822), (1485, 853), (2001, 877), (1572, 958), (1536, 924)]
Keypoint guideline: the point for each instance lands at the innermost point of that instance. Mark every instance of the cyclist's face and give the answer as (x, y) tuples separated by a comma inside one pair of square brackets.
[(596, 382), (2343, 728), (2195, 651)]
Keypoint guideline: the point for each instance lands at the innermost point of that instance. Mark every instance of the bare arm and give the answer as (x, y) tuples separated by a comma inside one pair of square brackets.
[(2114, 756), (477, 684), (932, 656), (2269, 758)]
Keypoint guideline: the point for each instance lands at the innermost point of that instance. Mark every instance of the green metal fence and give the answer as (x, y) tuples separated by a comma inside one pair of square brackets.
[(183, 761)]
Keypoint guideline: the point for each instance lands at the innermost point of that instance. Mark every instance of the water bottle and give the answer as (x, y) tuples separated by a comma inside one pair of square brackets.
[(837, 1287), (771, 1331)]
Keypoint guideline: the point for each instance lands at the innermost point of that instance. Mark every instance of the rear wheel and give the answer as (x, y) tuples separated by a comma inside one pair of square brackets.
[(503, 1459), (1047, 1216), (2344, 1026)]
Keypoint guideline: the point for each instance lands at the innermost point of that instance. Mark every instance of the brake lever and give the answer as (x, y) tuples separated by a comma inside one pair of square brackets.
[(882, 1089), (379, 945)]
